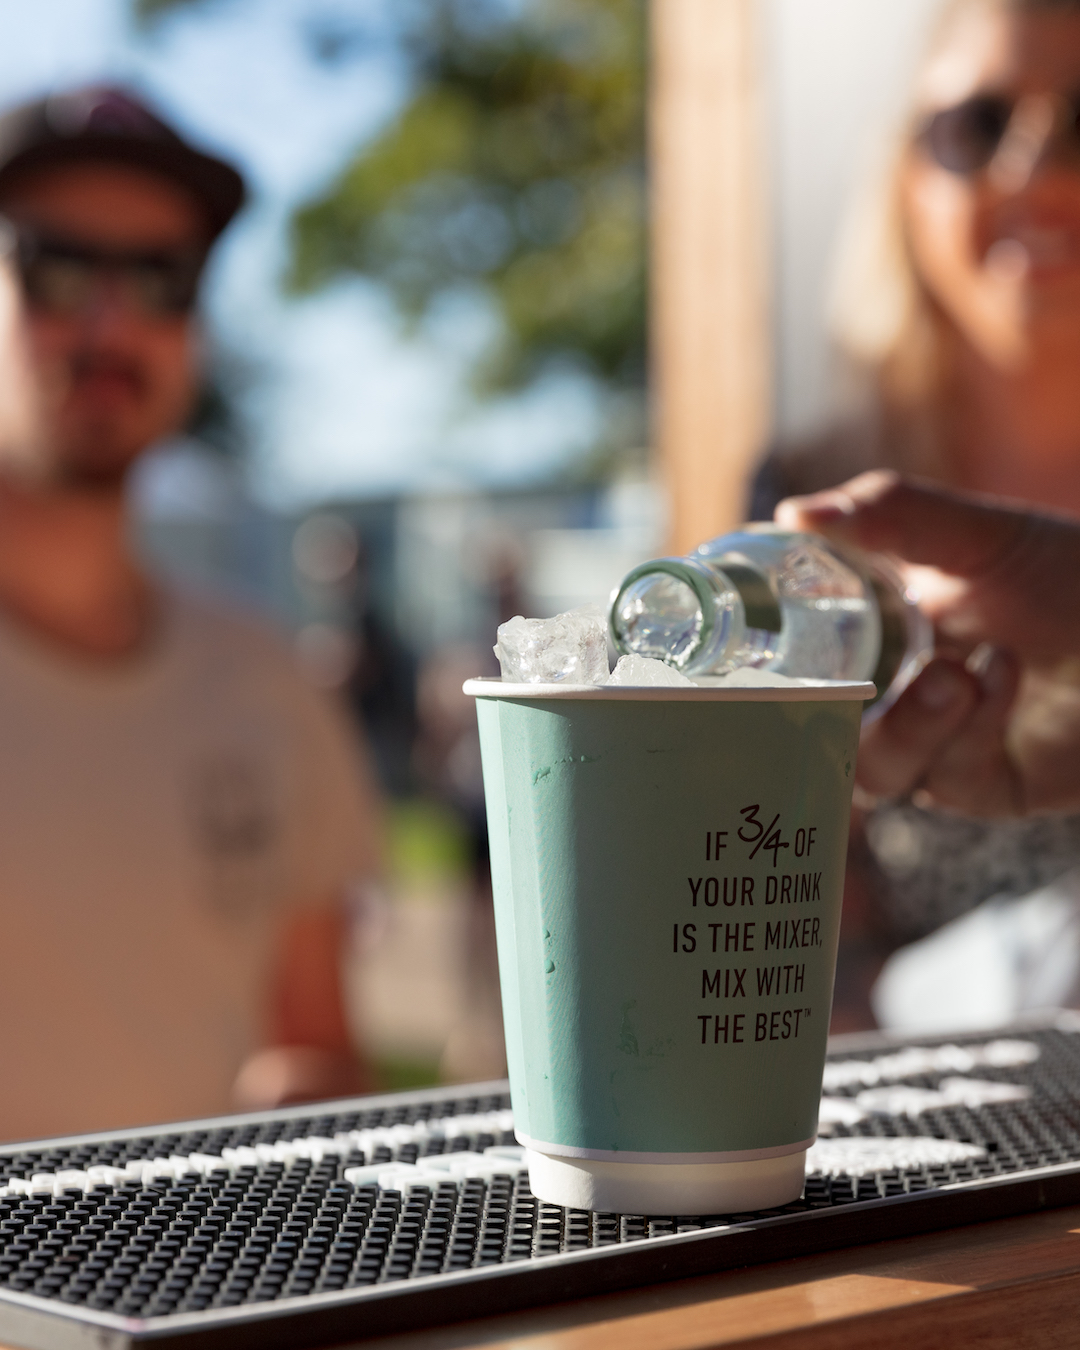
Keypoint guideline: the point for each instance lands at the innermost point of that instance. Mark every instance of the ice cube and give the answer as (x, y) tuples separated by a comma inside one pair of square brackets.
[(638, 670), (569, 648)]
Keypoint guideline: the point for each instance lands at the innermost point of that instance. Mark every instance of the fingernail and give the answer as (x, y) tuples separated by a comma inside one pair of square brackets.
[(938, 687), (980, 659)]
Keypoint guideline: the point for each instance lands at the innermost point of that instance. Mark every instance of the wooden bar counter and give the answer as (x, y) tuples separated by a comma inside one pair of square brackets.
[(1012, 1284)]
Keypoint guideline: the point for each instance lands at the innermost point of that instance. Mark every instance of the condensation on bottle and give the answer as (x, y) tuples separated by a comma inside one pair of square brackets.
[(778, 600)]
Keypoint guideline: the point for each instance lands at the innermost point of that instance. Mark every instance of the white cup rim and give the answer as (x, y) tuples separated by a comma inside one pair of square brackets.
[(808, 691)]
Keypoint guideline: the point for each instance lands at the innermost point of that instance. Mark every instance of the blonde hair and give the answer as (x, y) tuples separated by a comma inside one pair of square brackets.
[(880, 314)]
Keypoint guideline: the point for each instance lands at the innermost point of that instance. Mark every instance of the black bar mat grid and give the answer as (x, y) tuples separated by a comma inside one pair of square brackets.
[(287, 1251)]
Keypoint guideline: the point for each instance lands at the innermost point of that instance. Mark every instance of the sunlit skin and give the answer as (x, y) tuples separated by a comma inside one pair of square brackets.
[(103, 385), (999, 251)]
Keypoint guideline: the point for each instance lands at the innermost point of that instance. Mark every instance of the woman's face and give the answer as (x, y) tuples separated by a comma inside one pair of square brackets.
[(998, 246)]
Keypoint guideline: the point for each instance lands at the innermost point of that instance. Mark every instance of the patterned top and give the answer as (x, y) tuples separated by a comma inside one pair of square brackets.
[(938, 865)]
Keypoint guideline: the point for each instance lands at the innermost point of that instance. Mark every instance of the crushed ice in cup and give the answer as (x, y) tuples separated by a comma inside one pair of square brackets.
[(570, 648), (644, 670)]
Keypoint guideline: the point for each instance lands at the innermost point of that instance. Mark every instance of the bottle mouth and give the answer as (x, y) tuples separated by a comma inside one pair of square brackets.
[(665, 609)]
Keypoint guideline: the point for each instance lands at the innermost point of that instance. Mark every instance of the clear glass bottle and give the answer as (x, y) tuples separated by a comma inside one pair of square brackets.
[(778, 600)]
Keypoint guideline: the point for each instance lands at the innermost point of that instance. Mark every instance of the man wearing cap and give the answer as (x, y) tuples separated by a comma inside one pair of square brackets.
[(181, 818)]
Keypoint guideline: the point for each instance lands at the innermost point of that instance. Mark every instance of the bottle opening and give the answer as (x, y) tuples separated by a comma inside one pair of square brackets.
[(658, 615)]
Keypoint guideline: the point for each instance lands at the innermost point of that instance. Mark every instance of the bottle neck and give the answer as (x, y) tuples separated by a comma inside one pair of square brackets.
[(907, 636), (794, 568), (768, 598)]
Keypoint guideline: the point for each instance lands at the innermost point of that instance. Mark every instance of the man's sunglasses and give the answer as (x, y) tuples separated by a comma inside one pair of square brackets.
[(64, 276), (965, 138)]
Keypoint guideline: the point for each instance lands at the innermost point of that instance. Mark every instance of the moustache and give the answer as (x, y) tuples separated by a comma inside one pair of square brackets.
[(88, 365)]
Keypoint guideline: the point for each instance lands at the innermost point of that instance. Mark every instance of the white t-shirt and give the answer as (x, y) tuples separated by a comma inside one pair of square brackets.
[(157, 816)]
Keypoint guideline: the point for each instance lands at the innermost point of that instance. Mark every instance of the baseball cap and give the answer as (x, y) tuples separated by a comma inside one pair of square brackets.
[(101, 122)]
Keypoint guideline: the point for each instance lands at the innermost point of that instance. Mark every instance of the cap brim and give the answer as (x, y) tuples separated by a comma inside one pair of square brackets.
[(216, 186)]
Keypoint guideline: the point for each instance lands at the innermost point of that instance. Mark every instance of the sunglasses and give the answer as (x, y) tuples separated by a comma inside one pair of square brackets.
[(964, 138), (64, 276)]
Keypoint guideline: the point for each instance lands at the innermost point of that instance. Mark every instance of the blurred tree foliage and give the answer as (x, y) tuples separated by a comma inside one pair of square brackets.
[(517, 163)]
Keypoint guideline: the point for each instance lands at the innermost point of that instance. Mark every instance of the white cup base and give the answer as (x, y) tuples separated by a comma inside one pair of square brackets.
[(666, 1188)]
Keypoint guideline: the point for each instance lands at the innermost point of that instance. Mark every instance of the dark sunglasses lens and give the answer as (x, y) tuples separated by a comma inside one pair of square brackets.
[(64, 282), (965, 139), (168, 286), (58, 284)]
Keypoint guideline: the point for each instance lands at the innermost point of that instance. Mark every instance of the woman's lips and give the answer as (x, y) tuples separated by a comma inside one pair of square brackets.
[(105, 382)]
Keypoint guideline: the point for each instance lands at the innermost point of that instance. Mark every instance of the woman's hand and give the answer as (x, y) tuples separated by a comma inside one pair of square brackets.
[(991, 727)]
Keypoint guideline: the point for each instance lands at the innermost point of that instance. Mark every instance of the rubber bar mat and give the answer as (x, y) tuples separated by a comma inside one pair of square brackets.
[(296, 1228)]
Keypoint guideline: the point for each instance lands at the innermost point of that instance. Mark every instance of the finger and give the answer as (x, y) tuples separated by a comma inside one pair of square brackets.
[(897, 750), (973, 773), (919, 522), (987, 571)]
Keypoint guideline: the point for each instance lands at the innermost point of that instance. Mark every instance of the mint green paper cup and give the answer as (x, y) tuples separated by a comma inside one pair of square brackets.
[(667, 866)]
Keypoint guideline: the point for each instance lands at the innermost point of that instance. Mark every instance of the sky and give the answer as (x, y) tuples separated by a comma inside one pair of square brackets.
[(341, 401)]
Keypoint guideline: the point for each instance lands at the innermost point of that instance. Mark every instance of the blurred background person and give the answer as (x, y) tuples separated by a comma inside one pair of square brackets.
[(956, 303), (957, 308), (183, 816)]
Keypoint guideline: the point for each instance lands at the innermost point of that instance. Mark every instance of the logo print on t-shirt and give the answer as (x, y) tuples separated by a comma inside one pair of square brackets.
[(237, 829)]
